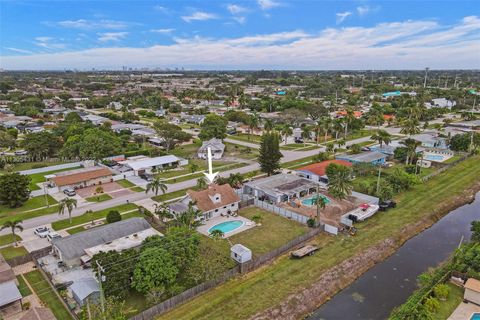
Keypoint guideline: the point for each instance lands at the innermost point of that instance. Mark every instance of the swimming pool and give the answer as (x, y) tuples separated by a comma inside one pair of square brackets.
[(311, 201), (433, 157), (475, 316), (227, 226)]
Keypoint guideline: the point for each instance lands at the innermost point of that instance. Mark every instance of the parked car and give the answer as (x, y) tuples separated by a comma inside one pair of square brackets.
[(69, 192), (387, 204), (53, 235), (146, 177), (298, 140), (365, 149), (20, 153), (42, 232)]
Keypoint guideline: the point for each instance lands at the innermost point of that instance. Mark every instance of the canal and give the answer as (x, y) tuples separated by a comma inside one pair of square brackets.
[(390, 283)]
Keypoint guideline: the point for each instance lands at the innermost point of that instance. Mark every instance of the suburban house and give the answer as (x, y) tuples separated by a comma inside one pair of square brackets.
[(317, 171), (194, 118), (85, 290), (80, 178), (142, 164), (79, 248), (216, 200), (472, 291), (216, 146), (431, 140), (10, 297), (371, 157), (440, 103), (280, 188)]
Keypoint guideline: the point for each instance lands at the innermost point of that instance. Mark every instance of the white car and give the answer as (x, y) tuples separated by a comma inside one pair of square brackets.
[(53, 235), (42, 232)]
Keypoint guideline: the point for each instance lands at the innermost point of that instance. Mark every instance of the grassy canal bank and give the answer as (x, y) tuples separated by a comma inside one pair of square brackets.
[(292, 288)]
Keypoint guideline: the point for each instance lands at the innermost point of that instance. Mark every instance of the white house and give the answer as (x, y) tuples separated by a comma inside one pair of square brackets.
[(472, 291), (214, 201), (216, 146), (142, 164), (240, 253)]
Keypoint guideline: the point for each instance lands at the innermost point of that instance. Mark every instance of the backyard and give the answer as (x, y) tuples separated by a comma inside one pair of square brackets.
[(291, 276)]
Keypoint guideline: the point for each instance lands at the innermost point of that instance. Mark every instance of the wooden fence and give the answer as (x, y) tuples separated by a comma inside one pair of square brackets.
[(183, 297)]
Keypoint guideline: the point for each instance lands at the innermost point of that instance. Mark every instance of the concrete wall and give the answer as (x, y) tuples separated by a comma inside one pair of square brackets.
[(472, 296)]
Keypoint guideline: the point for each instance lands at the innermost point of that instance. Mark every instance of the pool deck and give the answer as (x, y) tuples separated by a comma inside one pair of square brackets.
[(247, 224), (464, 311)]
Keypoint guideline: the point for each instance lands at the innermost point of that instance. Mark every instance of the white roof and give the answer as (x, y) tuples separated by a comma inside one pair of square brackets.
[(150, 162), (9, 293), (239, 249)]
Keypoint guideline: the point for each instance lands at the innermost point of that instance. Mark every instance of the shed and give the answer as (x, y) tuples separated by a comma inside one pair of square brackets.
[(472, 291), (85, 289), (240, 253)]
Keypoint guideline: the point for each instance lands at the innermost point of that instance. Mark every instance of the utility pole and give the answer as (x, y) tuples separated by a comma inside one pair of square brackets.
[(45, 193), (102, 294), (378, 179)]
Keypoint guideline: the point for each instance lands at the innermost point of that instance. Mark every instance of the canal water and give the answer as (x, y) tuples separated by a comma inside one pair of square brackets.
[(390, 283)]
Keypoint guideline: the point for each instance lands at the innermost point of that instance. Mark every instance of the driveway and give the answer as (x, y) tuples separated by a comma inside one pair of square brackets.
[(90, 191)]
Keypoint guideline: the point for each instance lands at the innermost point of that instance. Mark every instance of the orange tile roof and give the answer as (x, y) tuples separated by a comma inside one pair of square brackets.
[(356, 114), (473, 284), (65, 180), (320, 168), (204, 201)]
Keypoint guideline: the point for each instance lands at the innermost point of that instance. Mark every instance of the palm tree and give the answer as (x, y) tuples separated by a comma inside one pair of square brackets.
[(189, 218), (411, 145), (13, 225), (268, 125), (286, 131), (216, 234), (235, 180), (156, 185), (252, 124), (305, 134), (348, 119), (163, 212), (327, 123), (337, 127), (320, 203), (410, 127), (201, 183), (340, 182), (382, 136), (194, 167), (69, 204)]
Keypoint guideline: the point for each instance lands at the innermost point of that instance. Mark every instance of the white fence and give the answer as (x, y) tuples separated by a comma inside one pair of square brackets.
[(281, 211), (52, 168)]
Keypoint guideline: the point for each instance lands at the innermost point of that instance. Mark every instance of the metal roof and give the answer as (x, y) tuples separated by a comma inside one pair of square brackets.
[(151, 162), (9, 293), (84, 287)]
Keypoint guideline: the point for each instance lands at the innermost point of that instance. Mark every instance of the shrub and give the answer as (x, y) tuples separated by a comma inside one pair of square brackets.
[(441, 291), (26, 305), (257, 218), (311, 222), (432, 304), (411, 169), (37, 166), (113, 216)]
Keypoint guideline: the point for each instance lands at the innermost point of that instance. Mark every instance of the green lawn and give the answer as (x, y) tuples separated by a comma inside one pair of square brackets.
[(137, 189), (447, 307), (271, 285), (8, 238), (298, 163), (452, 159), (170, 195), (22, 287), (99, 198), (47, 295), (274, 231), (125, 183), (34, 203), (124, 217), (12, 252), (235, 150), (40, 177), (87, 217), (21, 166), (359, 134), (253, 138)]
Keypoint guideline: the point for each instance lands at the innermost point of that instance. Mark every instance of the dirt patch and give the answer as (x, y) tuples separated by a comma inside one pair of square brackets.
[(341, 276)]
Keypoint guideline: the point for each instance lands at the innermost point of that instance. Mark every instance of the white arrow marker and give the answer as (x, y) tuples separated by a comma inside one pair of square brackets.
[(210, 175)]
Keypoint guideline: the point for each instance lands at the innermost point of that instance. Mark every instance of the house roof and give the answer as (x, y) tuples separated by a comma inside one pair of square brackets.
[(362, 157), (320, 168), (77, 176), (84, 287), (204, 198), (281, 184), (74, 246), (9, 293), (473, 284), (38, 313), (151, 162), (6, 272), (214, 144)]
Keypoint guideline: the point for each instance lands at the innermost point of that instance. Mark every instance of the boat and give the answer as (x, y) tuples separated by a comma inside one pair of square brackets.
[(363, 212)]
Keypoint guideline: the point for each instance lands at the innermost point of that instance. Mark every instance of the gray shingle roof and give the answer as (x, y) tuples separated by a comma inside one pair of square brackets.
[(74, 245), (85, 287)]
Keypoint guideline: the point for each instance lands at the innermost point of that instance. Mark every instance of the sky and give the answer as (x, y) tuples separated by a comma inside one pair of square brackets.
[(248, 35)]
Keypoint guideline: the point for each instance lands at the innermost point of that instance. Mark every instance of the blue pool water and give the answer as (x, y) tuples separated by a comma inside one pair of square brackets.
[(475, 316), (227, 226), (311, 201), (433, 157)]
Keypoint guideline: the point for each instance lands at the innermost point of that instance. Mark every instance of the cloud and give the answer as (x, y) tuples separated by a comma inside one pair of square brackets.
[(48, 43), (161, 9), (83, 24), (111, 36), (341, 16), (394, 45), (18, 50), (240, 19), (365, 9), (163, 31), (199, 16), (236, 9), (268, 4)]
